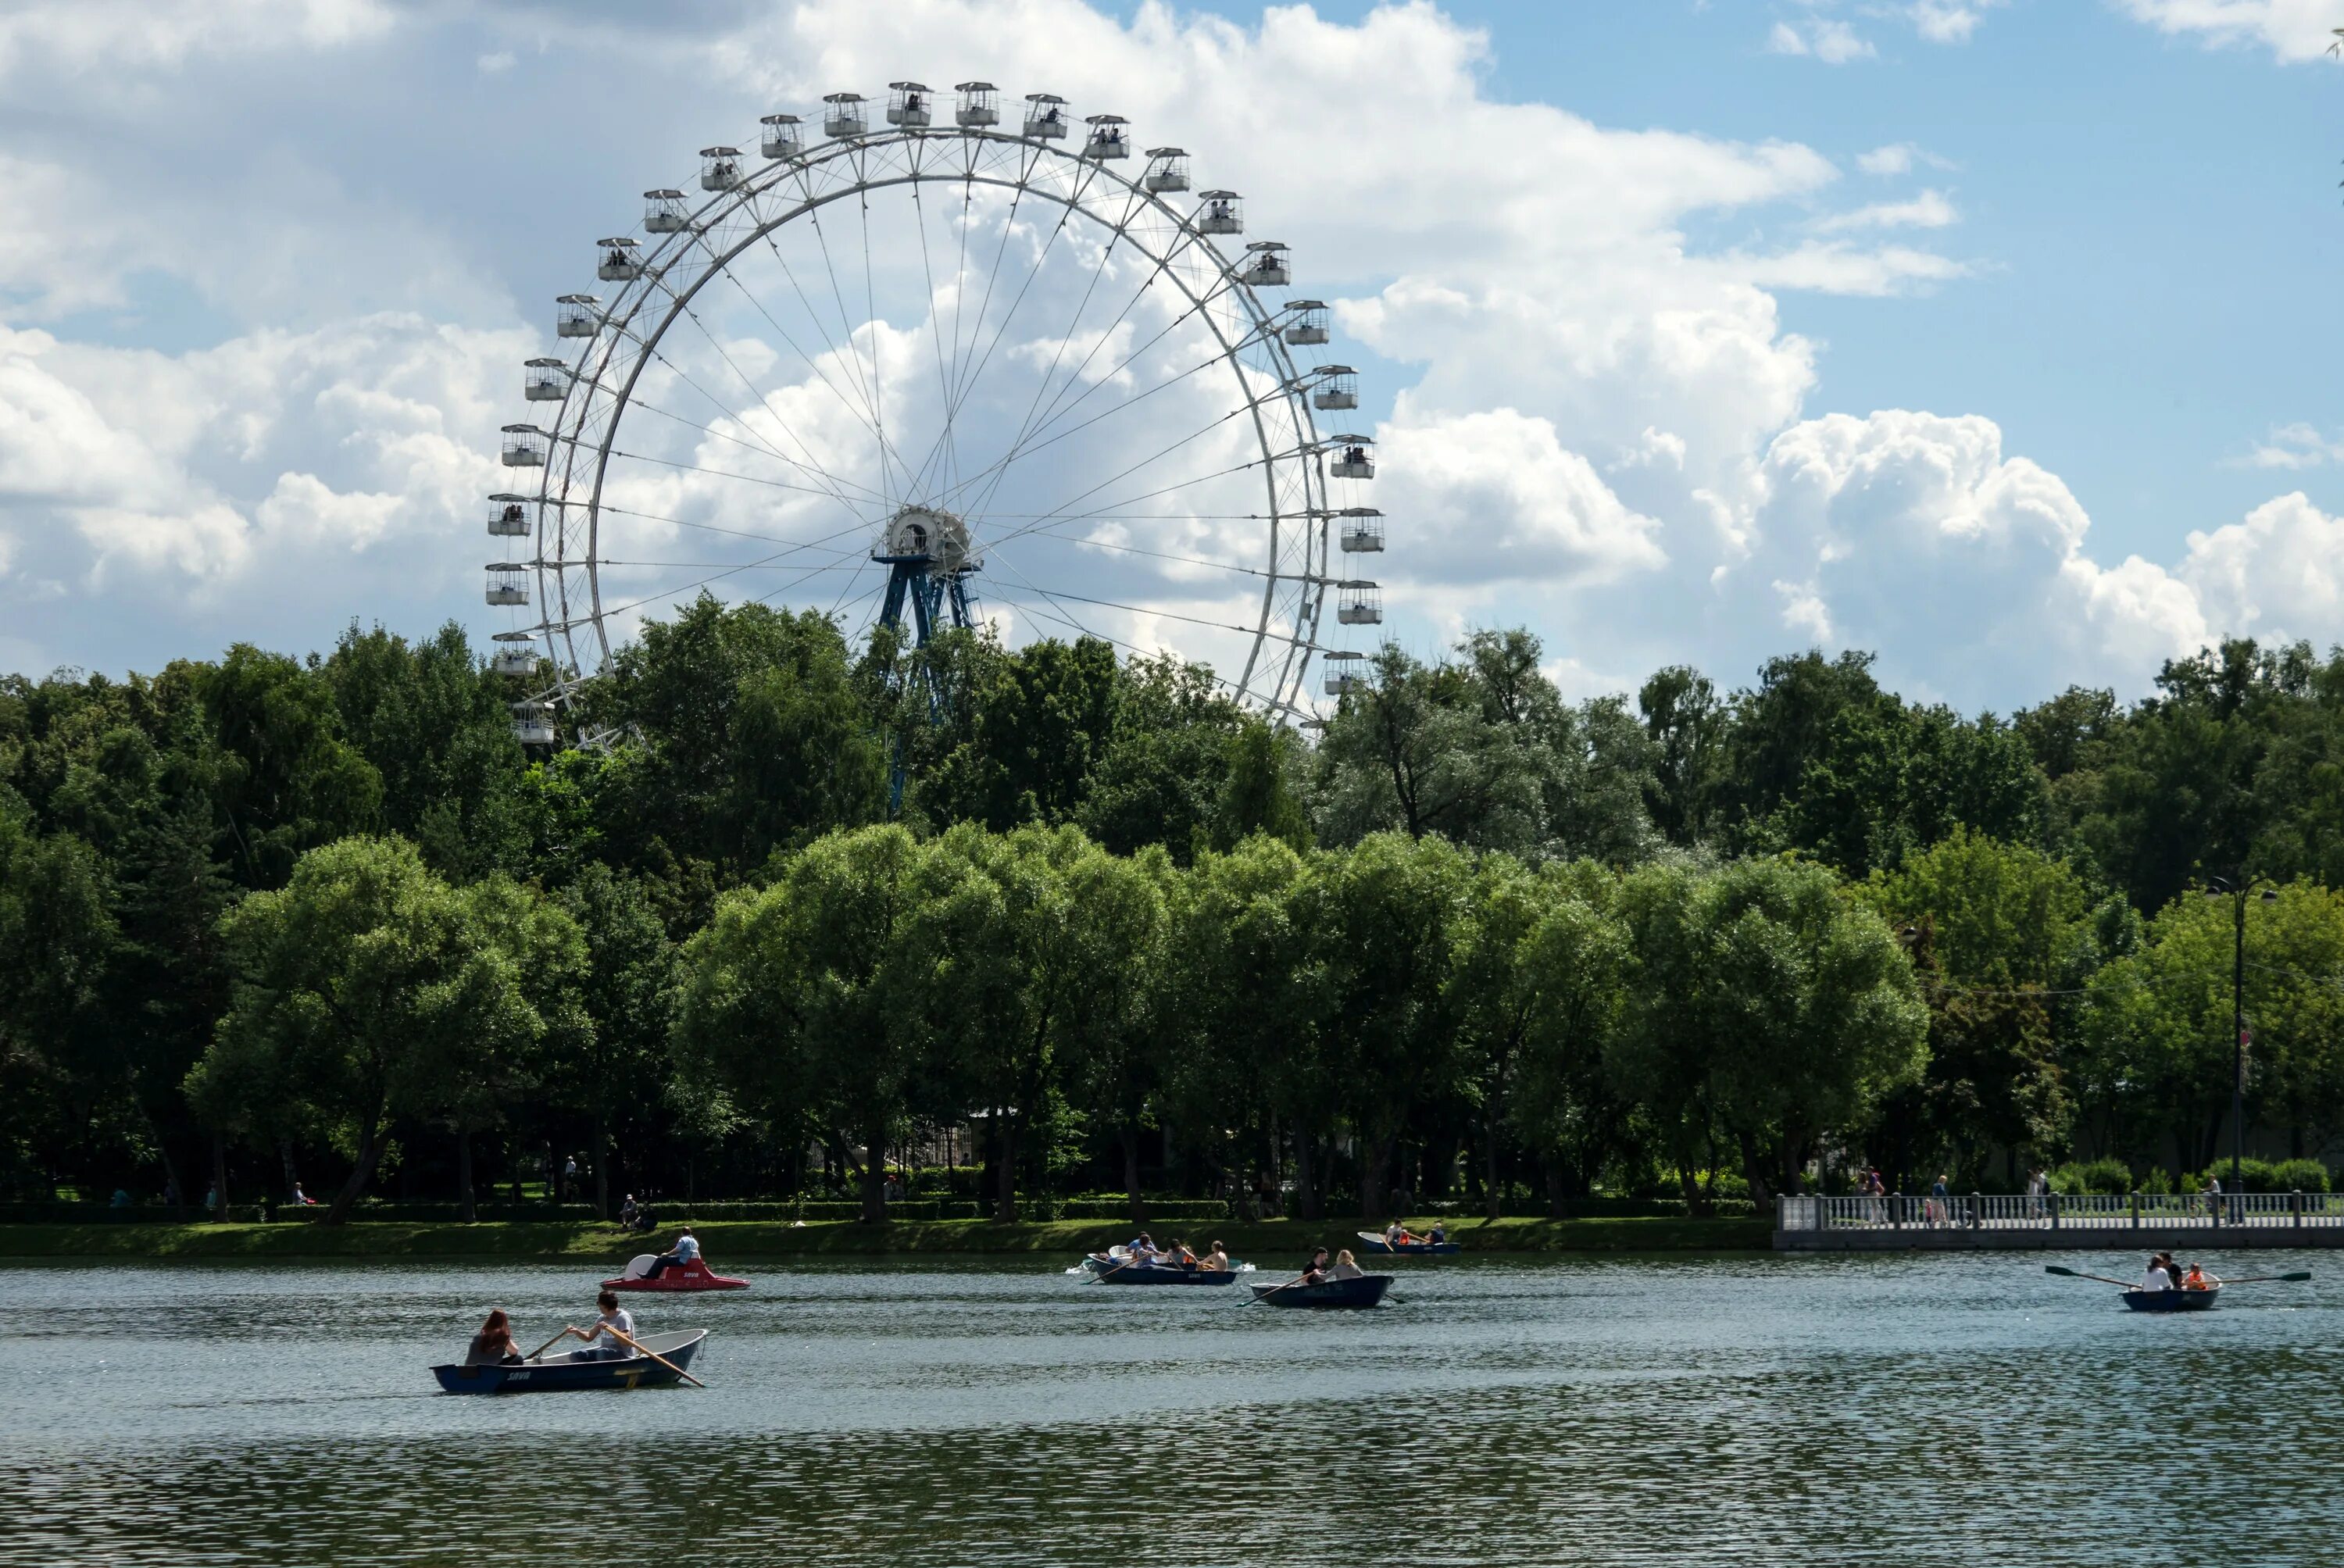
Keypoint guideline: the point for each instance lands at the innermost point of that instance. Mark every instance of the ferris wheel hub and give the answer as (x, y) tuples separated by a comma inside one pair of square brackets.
[(928, 538)]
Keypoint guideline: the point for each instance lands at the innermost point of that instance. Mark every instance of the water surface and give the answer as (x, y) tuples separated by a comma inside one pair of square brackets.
[(1815, 1409)]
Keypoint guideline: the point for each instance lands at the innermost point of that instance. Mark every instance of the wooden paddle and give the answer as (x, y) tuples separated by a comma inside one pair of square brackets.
[(2296, 1278), (2102, 1279), (1274, 1290), (551, 1343), (1118, 1269), (654, 1355)]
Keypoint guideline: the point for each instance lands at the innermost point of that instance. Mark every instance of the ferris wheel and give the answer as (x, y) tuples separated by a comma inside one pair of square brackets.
[(934, 375)]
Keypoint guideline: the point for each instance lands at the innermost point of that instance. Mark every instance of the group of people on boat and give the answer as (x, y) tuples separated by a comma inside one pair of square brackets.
[(1141, 1252), (1319, 1270), (2163, 1274), (611, 1339), (1397, 1236)]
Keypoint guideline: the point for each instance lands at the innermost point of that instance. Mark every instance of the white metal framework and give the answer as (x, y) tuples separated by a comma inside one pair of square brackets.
[(978, 355)]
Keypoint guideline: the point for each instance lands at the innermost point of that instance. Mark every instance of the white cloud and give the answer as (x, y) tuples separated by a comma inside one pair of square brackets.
[(1833, 42), (2296, 446), (1948, 21), (2278, 573), (2290, 29), (103, 39), (1930, 209)]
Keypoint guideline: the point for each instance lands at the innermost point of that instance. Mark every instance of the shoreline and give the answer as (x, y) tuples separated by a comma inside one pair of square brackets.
[(590, 1240)]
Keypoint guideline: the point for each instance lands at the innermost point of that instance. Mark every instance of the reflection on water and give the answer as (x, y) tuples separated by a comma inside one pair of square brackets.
[(1807, 1410)]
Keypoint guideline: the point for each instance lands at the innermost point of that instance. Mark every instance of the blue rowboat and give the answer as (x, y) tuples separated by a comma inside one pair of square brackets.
[(1364, 1291), (2171, 1300), (1160, 1274), (1372, 1242), (565, 1373)]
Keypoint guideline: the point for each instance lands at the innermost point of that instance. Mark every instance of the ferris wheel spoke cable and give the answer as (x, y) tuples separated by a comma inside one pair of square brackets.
[(831, 489), (1000, 466), (936, 327), (829, 348), (1057, 355), (1153, 458), (877, 328), (721, 473), (1042, 519), (854, 354), (1041, 533), (670, 594), (764, 402), (609, 511)]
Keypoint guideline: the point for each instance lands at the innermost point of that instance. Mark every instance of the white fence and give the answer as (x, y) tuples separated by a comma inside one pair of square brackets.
[(2053, 1211)]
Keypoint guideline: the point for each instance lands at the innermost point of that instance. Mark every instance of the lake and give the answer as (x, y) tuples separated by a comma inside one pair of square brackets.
[(1917, 1410)]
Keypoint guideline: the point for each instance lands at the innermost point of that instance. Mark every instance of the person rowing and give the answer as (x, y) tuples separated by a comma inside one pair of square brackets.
[(1178, 1256), (1397, 1236), (603, 1345), (1315, 1271)]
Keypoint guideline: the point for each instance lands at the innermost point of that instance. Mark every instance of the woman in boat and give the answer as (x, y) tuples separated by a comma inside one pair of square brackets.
[(493, 1345), (1346, 1266), (2155, 1278)]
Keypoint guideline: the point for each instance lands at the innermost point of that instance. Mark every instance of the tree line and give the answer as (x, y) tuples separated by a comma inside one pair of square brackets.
[(282, 915)]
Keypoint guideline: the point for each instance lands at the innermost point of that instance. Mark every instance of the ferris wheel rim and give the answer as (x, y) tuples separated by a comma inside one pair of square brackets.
[(622, 341)]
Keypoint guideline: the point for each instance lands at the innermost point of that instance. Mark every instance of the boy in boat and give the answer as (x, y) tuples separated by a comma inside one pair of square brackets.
[(687, 1248), (2197, 1278), (602, 1344)]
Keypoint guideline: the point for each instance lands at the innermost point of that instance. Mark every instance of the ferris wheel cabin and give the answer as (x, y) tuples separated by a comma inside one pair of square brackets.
[(1354, 457), (514, 655), (720, 167), (1107, 141), (843, 115), (508, 582), (1045, 117), (1362, 530), (1306, 323), (778, 136), (1344, 674), (979, 105), (664, 212), (1338, 388), (1167, 170), (544, 381), (533, 724), (618, 263), (1359, 603), (1220, 212), (508, 516), (523, 447), (577, 315), (1266, 266), (908, 104)]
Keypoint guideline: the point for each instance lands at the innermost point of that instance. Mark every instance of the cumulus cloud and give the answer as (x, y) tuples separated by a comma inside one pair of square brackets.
[(100, 37), (1834, 43), (1930, 209), (2296, 446), (2290, 29)]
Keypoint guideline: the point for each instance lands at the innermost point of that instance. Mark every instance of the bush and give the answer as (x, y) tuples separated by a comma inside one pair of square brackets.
[(2074, 1180), (2263, 1176), (2157, 1181)]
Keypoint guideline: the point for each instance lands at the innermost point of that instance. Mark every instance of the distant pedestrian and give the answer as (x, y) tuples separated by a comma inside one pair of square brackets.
[(1941, 1209)]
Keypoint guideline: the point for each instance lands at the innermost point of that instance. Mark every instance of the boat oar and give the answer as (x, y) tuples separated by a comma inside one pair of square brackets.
[(1118, 1269), (1274, 1290), (551, 1343), (2296, 1278), (654, 1355), (2077, 1274)]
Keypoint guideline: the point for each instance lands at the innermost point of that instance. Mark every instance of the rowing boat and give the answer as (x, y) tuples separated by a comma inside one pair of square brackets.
[(1365, 1290), (694, 1275), (567, 1373), (1372, 1242), (1165, 1274), (2171, 1300)]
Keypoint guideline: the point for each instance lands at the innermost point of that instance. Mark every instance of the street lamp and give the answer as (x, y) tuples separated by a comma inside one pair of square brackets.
[(2237, 891)]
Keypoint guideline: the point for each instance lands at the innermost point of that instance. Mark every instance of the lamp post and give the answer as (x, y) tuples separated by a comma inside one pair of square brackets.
[(2237, 890)]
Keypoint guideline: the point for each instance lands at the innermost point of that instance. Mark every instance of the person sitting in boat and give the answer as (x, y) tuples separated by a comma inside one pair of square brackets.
[(1216, 1260), (1142, 1248), (1395, 1236), (1346, 1266), (493, 1345), (605, 1344), (687, 1249), (1440, 1234), (2197, 1278), (2155, 1278), (1315, 1271), (1178, 1256)]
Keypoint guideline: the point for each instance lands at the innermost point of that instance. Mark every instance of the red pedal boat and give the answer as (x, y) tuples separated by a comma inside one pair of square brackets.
[(693, 1276)]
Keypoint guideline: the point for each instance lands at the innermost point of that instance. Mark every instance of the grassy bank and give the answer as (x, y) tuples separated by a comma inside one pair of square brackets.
[(728, 1241)]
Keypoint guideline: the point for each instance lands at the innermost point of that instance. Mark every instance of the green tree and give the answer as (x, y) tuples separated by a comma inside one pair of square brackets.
[(360, 985)]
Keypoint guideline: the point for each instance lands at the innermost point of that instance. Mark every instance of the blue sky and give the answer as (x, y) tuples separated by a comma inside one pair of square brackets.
[(1992, 336)]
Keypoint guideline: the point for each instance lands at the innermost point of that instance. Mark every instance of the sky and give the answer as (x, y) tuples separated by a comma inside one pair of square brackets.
[(1988, 336)]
